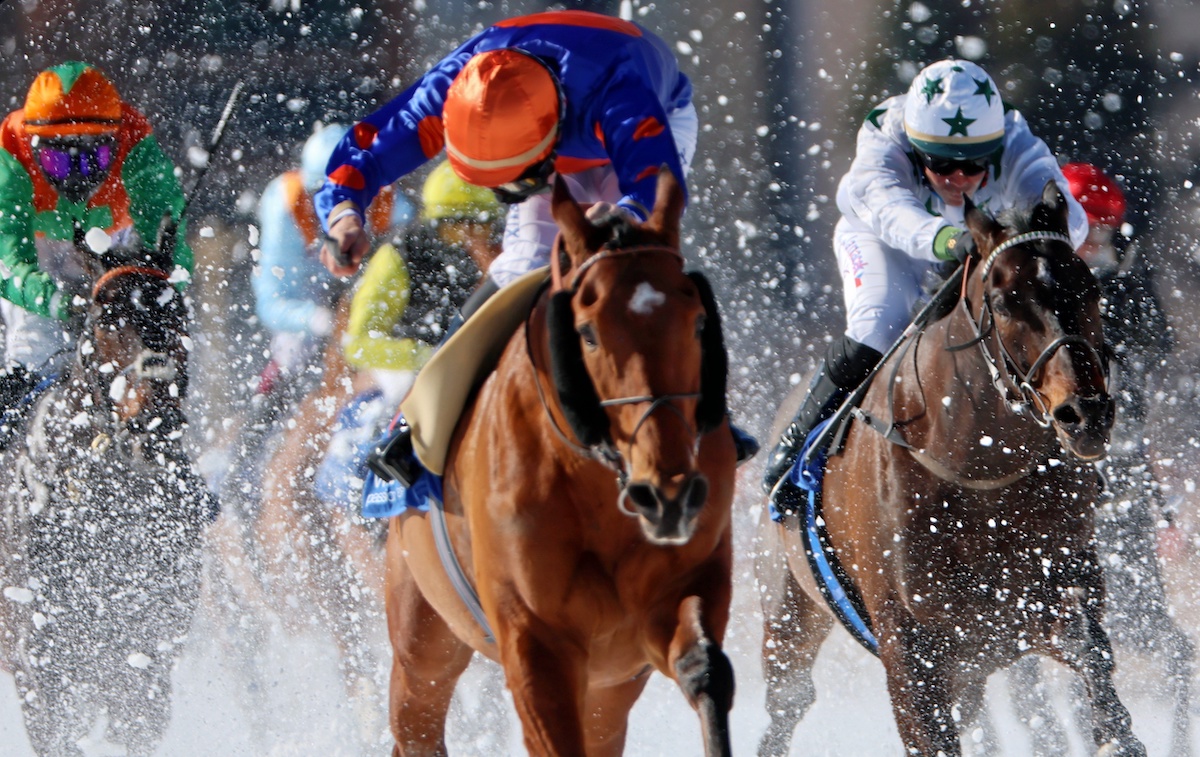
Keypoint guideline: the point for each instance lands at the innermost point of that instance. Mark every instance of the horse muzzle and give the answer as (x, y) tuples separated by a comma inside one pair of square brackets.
[(666, 520), (1084, 424)]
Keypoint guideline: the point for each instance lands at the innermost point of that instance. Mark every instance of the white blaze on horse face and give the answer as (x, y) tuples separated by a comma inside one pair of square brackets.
[(645, 299)]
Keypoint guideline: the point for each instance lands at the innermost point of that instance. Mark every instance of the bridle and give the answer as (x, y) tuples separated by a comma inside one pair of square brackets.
[(605, 451), (1014, 384)]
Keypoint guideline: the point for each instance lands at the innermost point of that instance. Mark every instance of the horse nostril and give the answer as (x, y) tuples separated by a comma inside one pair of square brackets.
[(695, 494), (1066, 415), (644, 499)]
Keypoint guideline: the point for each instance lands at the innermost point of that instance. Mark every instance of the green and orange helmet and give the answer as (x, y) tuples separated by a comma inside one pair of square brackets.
[(72, 99)]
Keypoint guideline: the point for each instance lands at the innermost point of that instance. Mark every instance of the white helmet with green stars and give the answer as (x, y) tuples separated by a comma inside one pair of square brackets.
[(954, 111)]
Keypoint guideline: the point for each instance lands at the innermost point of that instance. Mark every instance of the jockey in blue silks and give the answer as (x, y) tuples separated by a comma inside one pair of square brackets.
[(572, 96)]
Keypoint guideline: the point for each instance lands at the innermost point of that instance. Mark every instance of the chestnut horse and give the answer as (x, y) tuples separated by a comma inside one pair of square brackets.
[(961, 509), (587, 498)]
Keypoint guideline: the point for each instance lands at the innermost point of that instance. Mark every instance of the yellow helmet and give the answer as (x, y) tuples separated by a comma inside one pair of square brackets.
[(447, 197)]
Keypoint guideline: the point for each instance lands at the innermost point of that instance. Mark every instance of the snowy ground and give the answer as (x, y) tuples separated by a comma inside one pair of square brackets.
[(303, 712)]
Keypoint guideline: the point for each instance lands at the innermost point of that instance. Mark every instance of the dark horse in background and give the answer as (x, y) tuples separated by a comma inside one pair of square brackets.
[(587, 496), (968, 534), (102, 521)]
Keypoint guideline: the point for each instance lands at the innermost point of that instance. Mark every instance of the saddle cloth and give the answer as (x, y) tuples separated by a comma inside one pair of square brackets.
[(459, 366)]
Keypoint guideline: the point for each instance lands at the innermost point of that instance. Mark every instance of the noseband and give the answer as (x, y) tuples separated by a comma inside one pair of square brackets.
[(586, 442), (1006, 373)]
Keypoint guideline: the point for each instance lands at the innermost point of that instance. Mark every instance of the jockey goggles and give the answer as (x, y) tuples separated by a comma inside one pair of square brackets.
[(946, 166), (60, 161), (535, 180)]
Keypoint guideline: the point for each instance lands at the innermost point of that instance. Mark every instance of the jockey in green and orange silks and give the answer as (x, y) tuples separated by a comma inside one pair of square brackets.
[(74, 160)]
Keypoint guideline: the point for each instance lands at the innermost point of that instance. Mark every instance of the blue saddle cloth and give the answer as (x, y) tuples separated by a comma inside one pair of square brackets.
[(383, 499), (342, 470), (809, 475)]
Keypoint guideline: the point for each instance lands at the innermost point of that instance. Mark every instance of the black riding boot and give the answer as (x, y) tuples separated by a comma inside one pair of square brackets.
[(823, 398), (393, 459), (846, 365)]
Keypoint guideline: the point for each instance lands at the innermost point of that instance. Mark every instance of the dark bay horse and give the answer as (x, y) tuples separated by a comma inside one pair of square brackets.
[(587, 497), (970, 541), (102, 523)]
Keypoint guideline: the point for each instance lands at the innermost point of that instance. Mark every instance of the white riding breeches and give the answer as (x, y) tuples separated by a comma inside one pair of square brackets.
[(881, 286), (529, 227), (40, 344)]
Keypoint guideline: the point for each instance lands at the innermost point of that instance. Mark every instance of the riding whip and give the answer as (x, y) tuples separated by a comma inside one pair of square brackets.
[(214, 141), (949, 288)]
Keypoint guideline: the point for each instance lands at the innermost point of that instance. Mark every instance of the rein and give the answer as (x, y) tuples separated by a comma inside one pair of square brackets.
[(125, 270), (604, 452)]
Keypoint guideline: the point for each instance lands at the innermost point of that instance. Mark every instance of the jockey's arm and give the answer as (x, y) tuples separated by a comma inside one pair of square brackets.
[(387, 145), (149, 178), (21, 281), (282, 251), (638, 138), (1029, 164), (880, 189)]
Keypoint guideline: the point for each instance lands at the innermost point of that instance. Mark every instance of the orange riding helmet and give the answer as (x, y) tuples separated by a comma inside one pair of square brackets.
[(1100, 196), (501, 117), (72, 99)]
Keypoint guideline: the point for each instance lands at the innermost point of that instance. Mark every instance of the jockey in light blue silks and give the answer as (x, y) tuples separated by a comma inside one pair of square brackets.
[(902, 209)]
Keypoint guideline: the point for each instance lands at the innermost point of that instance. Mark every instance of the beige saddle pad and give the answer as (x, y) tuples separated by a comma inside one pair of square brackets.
[(460, 365)]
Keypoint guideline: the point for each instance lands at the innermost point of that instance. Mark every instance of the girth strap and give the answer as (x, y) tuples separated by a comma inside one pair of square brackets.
[(454, 571)]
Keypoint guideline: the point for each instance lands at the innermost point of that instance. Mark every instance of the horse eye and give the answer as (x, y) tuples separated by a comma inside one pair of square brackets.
[(700, 325), (588, 334), (998, 305)]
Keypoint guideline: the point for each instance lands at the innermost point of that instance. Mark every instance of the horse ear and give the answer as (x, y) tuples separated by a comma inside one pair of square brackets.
[(576, 229), (982, 226), (668, 206), (1052, 213), (163, 255)]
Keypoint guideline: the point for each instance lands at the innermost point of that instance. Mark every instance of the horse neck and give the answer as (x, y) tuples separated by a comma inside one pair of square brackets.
[(960, 403)]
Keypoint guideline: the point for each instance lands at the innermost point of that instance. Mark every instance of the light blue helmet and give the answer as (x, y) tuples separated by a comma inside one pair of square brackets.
[(954, 111), (315, 155)]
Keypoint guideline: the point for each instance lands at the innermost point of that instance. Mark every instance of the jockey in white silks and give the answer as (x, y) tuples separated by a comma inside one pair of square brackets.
[(901, 207)]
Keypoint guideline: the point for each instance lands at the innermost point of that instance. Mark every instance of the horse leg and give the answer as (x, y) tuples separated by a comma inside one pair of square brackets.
[(705, 675), (53, 711), (794, 628), (977, 732), (1028, 691), (1085, 648), (349, 609), (918, 670), (607, 715), (427, 659), (1180, 654)]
